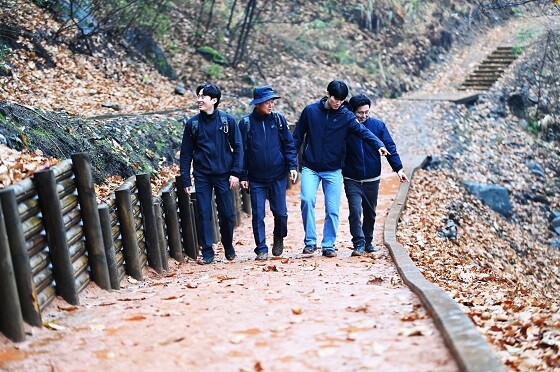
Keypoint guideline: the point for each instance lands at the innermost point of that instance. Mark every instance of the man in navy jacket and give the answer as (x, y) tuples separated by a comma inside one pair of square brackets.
[(362, 172), (322, 129), (212, 142), (269, 156)]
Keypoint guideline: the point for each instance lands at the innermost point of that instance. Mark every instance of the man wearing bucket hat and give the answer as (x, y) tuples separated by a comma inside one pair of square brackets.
[(322, 129), (270, 155)]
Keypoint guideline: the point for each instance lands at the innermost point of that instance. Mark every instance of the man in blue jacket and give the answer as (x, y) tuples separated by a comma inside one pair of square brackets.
[(269, 156), (212, 142), (322, 129), (362, 172)]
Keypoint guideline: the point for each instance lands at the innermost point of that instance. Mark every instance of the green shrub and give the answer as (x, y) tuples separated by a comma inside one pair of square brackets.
[(212, 55), (214, 72)]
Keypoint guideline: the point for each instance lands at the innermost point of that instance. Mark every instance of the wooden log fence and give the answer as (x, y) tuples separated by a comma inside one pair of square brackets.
[(55, 238)]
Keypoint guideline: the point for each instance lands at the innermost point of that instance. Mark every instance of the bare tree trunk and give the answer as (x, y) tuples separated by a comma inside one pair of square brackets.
[(244, 33), (210, 13), (228, 27)]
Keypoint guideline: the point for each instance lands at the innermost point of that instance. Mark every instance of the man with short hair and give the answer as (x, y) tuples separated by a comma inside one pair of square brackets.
[(362, 172), (322, 129), (269, 156), (212, 142)]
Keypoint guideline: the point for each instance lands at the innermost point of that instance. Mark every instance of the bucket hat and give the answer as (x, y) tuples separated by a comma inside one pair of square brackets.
[(263, 94)]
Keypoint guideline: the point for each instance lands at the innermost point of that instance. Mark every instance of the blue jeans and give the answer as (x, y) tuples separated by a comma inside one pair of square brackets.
[(276, 192), (361, 196), (332, 187), (204, 185)]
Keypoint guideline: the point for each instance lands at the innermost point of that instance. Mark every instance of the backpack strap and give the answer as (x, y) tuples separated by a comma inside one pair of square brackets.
[(246, 133), (280, 124), (194, 127)]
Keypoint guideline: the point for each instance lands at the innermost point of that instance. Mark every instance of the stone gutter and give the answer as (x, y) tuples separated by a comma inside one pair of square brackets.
[(468, 346)]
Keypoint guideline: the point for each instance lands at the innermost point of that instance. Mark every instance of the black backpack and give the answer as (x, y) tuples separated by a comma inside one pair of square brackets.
[(247, 126)]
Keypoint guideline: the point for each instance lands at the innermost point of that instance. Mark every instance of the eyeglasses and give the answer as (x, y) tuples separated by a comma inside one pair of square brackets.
[(201, 96), (362, 113)]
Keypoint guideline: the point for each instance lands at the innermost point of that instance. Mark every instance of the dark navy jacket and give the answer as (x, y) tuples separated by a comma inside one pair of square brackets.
[(363, 161), (214, 151), (323, 133), (267, 158)]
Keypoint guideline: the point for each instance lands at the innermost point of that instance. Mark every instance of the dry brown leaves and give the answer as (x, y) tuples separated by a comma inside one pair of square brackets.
[(510, 299), (15, 165)]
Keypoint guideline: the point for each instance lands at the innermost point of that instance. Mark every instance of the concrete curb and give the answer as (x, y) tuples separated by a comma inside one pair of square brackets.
[(468, 346)]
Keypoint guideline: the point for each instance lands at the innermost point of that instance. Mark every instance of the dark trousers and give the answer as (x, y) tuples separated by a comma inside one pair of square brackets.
[(204, 185), (362, 196), (276, 191)]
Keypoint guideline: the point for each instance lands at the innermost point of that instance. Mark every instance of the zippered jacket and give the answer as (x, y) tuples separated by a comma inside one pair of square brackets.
[(213, 148), (362, 160), (323, 133), (269, 154)]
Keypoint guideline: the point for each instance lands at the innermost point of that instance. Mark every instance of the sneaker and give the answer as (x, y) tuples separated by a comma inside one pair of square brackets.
[(309, 249), (263, 256), (230, 254), (329, 252), (205, 260), (278, 246), (370, 248), (358, 251)]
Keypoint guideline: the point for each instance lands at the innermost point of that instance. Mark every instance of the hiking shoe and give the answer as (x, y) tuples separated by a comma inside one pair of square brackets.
[(263, 256), (205, 260), (278, 246), (358, 251), (309, 249), (230, 254), (329, 252), (370, 248)]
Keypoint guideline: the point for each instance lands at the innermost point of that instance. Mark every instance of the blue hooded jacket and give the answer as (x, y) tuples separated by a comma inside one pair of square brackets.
[(213, 148), (363, 161), (269, 155), (324, 132)]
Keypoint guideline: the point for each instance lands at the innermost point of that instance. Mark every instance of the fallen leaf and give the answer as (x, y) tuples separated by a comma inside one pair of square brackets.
[(52, 325), (270, 268), (237, 339), (192, 285), (68, 308), (297, 310), (135, 318)]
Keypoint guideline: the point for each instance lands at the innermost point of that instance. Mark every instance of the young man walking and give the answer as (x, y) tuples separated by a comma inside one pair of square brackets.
[(270, 155), (362, 172), (212, 142), (322, 129)]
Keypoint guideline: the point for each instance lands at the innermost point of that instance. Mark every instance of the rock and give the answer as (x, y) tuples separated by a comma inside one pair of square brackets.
[(112, 105), (554, 214), (536, 168), (449, 231), (554, 243), (494, 196), (555, 225), (180, 89), (3, 140)]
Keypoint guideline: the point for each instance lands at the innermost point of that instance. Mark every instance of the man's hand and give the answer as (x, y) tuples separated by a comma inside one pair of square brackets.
[(383, 151), (402, 176), (244, 184), (293, 175), (233, 182), (188, 190)]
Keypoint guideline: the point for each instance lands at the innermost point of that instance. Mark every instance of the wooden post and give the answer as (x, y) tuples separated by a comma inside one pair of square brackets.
[(172, 224), (246, 198), (161, 235), (131, 250), (215, 220), (90, 217), (20, 259), (187, 226), (53, 222), (110, 256), (11, 320), (149, 221)]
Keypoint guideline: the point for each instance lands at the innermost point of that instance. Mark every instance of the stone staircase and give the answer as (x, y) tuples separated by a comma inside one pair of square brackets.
[(490, 69)]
